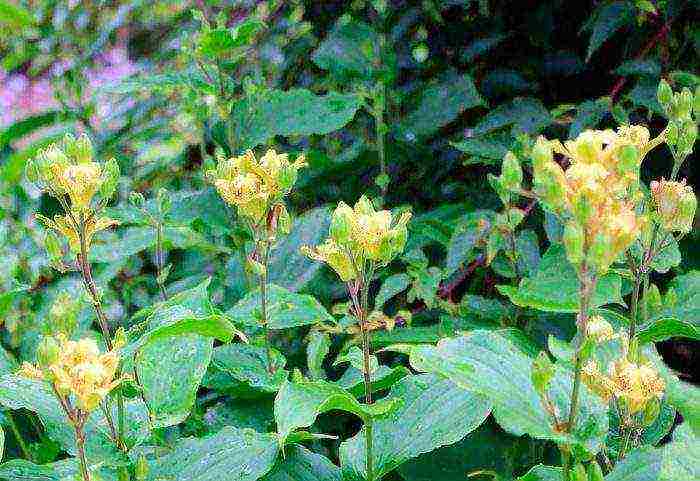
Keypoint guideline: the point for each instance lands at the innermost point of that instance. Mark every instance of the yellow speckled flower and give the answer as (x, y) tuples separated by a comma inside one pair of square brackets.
[(78, 369), (633, 384), (675, 205), (360, 234), (599, 329), (64, 225), (253, 185)]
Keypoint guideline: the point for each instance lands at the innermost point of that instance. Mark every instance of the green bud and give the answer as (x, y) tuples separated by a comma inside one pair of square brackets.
[(684, 103), (163, 201), (284, 220), (119, 339), (651, 411), (511, 173), (664, 94), (110, 178), (672, 133), (628, 158), (687, 135), (287, 177), (573, 238), (595, 473), (53, 245), (579, 473), (542, 372), (341, 223), (653, 298), (79, 149), (141, 468), (47, 351), (137, 200), (687, 206)]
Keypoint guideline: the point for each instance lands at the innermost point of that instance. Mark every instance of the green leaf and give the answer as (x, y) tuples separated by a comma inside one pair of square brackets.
[(170, 368), (486, 149), (15, 16), (524, 114), (355, 357), (316, 351), (231, 454), (470, 230), (239, 413), (219, 42), (289, 268), (608, 19), (298, 404), (588, 115), (67, 469), (300, 464), (382, 378), (543, 473), (434, 412), (285, 309), (350, 50), (650, 435), (667, 328), (491, 364), (554, 287), (686, 306), (242, 370), (391, 286), (261, 117), (442, 102)]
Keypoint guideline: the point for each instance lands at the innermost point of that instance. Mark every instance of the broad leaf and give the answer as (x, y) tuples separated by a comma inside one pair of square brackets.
[(434, 412), (265, 115), (554, 287), (686, 305), (391, 286), (298, 404), (242, 370), (300, 464), (285, 309), (524, 114), (608, 19), (667, 328), (349, 50), (470, 230), (231, 454), (493, 364), (316, 351)]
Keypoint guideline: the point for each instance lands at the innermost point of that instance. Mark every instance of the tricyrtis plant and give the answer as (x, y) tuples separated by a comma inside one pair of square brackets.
[(361, 241), (81, 378), (257, 188)]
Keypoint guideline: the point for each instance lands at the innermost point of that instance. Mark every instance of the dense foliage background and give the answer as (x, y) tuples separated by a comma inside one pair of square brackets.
[(459, 82)]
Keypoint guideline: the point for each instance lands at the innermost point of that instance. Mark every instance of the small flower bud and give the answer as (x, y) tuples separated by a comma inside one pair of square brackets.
[(664, 94), (542, 372), (137, 200), (672, 133), (675, 205), (141, 468), (341, 223), (595, 473), (110, 178), (31, 170), (684, 103), (119, 339), (47, 352), (573, 239), (511, 173), (687, 134), (599, 330)]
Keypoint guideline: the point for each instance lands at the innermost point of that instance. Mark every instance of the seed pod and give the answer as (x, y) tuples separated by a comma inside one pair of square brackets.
[(664, 94), (595, 473), (542, 372), (511, 173), (573, 239), (47, 352)]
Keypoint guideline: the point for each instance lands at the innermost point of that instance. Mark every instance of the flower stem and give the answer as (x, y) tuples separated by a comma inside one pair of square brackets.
[(160, 261), (366, 351), (588, 283), (80, 442), (263, 304)]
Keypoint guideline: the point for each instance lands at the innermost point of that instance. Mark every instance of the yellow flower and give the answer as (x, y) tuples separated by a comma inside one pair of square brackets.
[(675, 205), (599, 329), (252, 185), (336, 258), (64, 225), (80, 181), (80, 371)]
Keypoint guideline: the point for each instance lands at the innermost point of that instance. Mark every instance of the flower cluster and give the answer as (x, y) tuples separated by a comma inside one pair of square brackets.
[(76, 368), (68, 172), (256, 187), (358, 235), (599, 330), (635, 385), (597, 193), (675, 204)]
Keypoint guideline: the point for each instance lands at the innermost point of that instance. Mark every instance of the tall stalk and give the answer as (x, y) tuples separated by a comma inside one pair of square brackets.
[(588, 282), (263, 302), (366, 352), (80, 442), (160, 261)]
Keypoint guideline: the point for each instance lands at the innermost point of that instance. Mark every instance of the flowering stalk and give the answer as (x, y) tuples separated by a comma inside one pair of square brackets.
[(263, 303)]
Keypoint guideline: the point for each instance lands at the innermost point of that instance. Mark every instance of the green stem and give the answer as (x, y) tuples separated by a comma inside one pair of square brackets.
[(18, 435), (160, 261), (588, 283), (379, 108), (366, 351), (80, 442), (263, 304), (634, 306)]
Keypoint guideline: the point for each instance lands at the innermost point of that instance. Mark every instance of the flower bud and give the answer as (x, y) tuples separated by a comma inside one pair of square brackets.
[(511, 173), (651, 411), (137, 200), (653, 298), (595, 473), (628, 157), (579, 473), (599, 330), (141, 468), (47, 352), (672, 133), (31, 170), (684, 103), (687, 134), (542, 372), (119, 340), (664, 94), (549, 184), (675, 205), (79, 149), (163, 201), (110, 178), (342, 221), (573, 239)]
